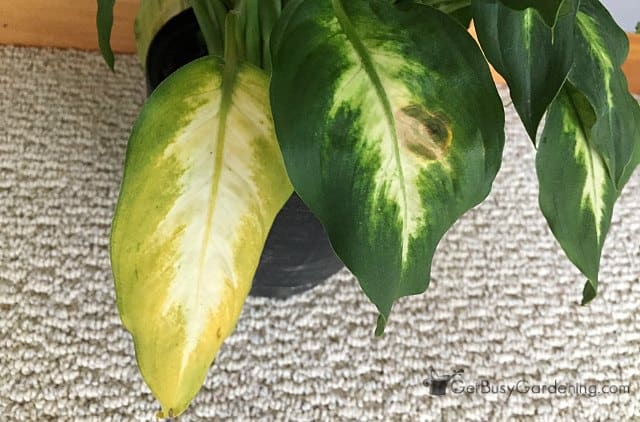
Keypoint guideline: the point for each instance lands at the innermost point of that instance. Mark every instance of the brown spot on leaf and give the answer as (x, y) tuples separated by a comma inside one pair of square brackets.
[(426, 134)]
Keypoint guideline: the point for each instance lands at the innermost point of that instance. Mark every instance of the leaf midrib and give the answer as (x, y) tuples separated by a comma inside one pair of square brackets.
[(369, 68), (582, 125), (227, 85)]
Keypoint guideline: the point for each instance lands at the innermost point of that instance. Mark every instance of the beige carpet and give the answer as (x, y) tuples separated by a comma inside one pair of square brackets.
[(502, 304)]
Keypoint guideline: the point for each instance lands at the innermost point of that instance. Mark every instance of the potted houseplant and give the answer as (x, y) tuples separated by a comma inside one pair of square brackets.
[(384, 117)]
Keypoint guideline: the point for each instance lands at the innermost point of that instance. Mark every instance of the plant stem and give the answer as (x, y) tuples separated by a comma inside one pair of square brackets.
[(269, 13), (253, 37), (231, 50), (247, 32), (211, 16)]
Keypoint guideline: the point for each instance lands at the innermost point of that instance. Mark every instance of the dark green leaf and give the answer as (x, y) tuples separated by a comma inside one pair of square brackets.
[(548, 9), (600, 50), (391, 128), (104, 22), (460, 10), (533, 58), (463, 16), (591, 143), (589, 292), (577, 194)]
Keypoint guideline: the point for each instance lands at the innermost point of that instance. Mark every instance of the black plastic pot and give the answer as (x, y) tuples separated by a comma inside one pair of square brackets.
[(297, 255)]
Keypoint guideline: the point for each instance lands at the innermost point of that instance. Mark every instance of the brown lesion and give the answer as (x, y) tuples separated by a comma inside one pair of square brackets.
[(424, 133)]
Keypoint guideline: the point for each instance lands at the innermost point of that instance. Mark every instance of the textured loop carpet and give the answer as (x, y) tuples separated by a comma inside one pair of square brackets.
[(502, 305)]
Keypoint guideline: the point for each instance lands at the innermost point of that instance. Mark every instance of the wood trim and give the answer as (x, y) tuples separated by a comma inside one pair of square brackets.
[(632, 66), (64, 23), (71, 24)]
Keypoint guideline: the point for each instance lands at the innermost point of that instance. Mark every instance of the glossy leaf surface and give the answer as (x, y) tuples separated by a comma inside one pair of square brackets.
[(533, 57), (601, 49), (576, 192), (548, 9), (391, 128), (591, 143)]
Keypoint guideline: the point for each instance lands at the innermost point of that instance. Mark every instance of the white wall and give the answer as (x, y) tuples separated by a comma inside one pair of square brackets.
[(626, 12)]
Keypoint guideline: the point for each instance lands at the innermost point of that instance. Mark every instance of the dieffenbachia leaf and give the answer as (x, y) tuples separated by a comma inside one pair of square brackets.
[(600, 50), (591, 143), (576, 192), (549, 10), (104, 22), (460, 10), (203, 181), (533, 57), (391, 128)]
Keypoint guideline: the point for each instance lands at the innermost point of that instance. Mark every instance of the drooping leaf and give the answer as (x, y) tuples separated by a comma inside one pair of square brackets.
[(104, 22), (600, 50), (591, 143), (204, 179), (151, 16), (391, 128), (548, 9), (533, 57), (577, 194)]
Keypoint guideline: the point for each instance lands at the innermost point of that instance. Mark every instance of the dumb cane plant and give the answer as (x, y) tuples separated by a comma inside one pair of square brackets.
[(384, 118)]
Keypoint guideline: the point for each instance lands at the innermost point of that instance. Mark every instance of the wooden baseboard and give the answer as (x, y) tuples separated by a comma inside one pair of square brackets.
[(64, 23), (71, 24), (632, 66)]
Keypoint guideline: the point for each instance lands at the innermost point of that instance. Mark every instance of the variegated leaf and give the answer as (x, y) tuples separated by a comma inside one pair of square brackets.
[(600, 50), (548, 9), (391, 128), (606, 119), (204, 179), (533, 57), (576, 192)]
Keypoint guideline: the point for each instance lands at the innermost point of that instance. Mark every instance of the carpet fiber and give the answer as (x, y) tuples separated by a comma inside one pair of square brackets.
[(502, 305)]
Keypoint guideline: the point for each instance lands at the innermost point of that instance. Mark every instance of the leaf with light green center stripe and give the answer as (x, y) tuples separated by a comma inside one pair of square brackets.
[(533, 57), (549, 10), (391, 128), (204, 179), (577, 194), (601, 48)]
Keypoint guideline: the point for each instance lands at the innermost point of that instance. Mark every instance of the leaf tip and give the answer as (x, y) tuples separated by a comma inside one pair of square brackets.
[(589, 293), (380, 325), (111, 62)]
